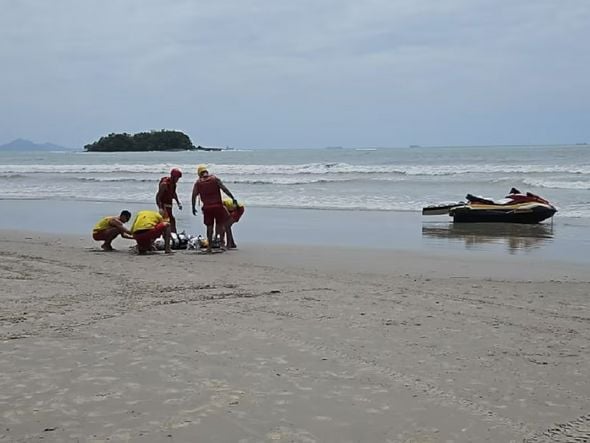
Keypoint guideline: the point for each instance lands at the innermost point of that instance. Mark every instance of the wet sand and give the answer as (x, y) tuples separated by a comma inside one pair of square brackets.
[(566, 240), (290, 343)]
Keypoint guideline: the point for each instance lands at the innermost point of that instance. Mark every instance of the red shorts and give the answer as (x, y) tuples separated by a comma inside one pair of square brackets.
[(237, 213), (145, 237), (100, 235), (217, 214)]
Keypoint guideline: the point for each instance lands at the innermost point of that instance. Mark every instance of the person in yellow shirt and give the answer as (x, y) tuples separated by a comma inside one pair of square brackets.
[(108, 228), (148, 226), (235, 211)]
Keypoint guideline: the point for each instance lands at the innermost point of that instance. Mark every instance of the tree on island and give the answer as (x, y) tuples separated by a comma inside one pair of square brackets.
[(143, 141)]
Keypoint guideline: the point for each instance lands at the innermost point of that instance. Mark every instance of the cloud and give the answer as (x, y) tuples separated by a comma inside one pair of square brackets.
[(306, 73)]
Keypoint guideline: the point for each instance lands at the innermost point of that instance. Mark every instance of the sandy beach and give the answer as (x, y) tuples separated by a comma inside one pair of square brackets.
[(289, 344)]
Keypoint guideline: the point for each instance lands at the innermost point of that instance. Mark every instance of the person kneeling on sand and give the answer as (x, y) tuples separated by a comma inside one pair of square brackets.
[(235, 213), (108, 228), (148, 226)]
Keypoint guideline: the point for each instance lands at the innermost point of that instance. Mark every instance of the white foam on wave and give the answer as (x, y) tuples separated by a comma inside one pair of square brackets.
[(271, 180), (11, 176), (426, 170), (85, 168), (114, 179), (557, 184), (266, 200), (293, 169), (285, 181)]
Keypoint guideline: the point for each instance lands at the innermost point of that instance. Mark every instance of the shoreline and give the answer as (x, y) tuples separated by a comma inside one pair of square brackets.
[(344, 259), (565, 240), (565, 218), (283, 343)]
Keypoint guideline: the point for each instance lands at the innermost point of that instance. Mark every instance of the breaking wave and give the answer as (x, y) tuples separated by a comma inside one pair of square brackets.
[(299, 169), (11, 176), (557, 184), (114, 180)]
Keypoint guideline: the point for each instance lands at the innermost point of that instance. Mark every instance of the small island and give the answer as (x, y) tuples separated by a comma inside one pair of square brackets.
[(163, 140)]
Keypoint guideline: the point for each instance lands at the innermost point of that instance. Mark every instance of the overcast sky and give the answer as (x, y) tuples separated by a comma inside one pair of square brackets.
[(297, 73)]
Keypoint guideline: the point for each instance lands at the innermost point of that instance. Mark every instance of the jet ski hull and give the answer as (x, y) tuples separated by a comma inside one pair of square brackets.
[(527, 214)]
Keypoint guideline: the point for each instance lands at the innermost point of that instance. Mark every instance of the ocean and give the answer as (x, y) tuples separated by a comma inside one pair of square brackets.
[(359, 198), (366, 179)]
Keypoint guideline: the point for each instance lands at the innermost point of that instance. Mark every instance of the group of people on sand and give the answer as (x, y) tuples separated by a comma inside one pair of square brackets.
[(219, 214)]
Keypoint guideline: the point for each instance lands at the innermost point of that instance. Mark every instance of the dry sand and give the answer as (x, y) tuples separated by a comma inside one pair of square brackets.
[(288, 345)]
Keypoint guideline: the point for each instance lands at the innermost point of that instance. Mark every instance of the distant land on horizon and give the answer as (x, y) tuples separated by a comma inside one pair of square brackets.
[(21, 144)]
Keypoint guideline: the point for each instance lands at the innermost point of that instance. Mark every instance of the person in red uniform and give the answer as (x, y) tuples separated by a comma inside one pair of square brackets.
[(235, 213), (208, 188), (167, 193)]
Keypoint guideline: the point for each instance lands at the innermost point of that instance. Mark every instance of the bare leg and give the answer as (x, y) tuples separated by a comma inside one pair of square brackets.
[(220, 231), (209, 237), (172, 224), (167, 232), (231, 244), (111, 234)]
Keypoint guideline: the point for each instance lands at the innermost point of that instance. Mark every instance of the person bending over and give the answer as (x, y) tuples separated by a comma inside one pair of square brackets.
[(208, 188), (108, 228), (148, 226), (167, 193), (235, 213)]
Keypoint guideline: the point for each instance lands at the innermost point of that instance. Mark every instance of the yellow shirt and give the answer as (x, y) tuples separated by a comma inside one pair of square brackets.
[(146, 220), (229, 204), (102, 224)]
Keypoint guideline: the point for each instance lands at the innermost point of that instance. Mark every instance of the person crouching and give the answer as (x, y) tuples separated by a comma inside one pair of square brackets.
[(148, 226), (235, 213), (108, 228)]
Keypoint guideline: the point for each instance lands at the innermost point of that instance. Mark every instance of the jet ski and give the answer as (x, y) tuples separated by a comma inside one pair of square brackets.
[(516, 207)]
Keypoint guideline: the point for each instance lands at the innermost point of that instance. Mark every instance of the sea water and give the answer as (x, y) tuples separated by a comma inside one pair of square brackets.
[(385, 179), (362, 197)]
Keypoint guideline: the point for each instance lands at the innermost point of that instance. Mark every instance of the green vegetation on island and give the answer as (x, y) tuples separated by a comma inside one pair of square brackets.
[(143, 141)]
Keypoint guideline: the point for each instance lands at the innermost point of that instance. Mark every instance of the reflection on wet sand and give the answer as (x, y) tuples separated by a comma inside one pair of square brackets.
[(516, 237)]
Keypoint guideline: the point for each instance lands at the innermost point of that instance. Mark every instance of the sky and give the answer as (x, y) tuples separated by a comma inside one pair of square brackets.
[(304, 73)]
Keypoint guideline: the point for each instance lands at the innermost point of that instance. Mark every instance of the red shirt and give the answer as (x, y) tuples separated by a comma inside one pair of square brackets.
[(167, 196), (209, 191)]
